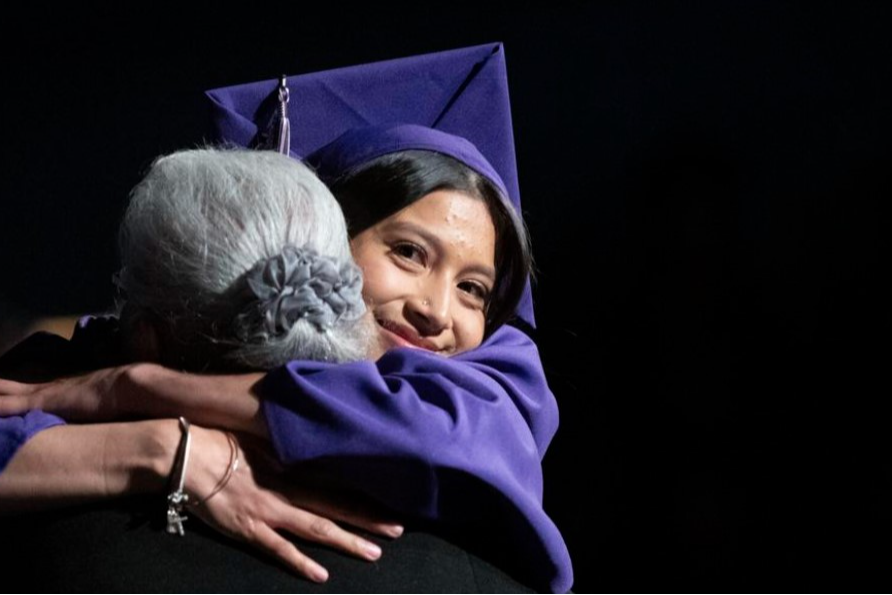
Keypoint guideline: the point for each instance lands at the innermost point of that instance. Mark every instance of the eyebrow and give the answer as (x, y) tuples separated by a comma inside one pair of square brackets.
[(431, 238)]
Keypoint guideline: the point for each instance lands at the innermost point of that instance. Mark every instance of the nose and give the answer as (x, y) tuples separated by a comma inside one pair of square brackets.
[(430, 310)]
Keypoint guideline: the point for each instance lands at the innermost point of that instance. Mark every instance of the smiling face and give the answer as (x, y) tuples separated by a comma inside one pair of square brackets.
[(429, 271)]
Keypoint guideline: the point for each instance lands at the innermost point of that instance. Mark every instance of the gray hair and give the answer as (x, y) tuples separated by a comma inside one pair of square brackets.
[(242, 258)]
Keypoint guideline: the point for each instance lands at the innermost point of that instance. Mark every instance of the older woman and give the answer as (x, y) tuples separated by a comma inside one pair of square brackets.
[(232, 260)]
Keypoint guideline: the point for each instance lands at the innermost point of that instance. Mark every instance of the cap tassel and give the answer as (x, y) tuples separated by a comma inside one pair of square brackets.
[(278, 132), (283, 136)]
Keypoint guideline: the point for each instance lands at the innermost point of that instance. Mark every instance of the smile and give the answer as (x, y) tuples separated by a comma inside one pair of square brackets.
[(404, 336)]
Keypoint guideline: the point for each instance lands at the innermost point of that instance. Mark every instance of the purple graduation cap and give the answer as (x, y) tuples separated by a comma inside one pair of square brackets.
[(453, 102), (499, 413)]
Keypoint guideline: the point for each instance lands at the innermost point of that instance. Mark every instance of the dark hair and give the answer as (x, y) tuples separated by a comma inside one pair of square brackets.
[(380, 188)]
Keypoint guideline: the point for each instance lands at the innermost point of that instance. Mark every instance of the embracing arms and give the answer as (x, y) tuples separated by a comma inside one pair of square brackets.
[(79, 463), (504, 377), (143, 390), (426, 435)]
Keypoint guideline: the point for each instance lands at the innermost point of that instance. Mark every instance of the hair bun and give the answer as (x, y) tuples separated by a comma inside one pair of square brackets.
[(299, 284)]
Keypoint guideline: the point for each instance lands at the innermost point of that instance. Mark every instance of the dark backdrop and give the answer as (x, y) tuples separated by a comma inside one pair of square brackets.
[(704, 186)]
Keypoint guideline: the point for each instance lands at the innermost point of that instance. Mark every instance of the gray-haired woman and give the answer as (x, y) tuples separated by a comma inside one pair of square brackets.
[(238, 259), (232, 260)]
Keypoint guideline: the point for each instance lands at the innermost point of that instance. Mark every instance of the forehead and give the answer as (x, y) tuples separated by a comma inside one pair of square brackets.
[(447, 207), (460, 222)]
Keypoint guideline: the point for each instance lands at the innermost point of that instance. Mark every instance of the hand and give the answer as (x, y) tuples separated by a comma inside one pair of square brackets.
[(352, 509), (250, 512), (143, 390), (90, 397)]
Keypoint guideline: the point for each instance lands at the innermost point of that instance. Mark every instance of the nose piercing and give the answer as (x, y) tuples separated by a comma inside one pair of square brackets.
[(426, 302)]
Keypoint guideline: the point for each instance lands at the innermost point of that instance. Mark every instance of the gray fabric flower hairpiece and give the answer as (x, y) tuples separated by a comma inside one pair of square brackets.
[(299, 283)]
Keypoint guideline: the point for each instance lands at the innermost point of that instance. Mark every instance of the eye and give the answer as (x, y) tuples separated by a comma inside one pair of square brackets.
[(475, 289), (411, 252)]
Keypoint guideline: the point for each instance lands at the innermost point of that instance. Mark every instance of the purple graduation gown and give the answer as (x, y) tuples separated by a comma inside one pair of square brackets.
[(456, 441), (16, 430)]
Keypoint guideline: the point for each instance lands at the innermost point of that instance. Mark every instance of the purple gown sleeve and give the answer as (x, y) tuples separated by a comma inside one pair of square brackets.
[(454, 440), (16, 430), (50, 355)]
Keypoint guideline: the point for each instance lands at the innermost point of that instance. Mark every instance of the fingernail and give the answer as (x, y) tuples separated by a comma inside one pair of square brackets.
[(395, 531), (372, 551), (320, 575)]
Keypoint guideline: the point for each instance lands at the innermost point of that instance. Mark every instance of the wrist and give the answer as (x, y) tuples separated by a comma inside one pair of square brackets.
[(211, 457), (155, 448)]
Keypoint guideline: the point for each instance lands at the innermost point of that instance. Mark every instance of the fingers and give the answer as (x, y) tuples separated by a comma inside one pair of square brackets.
[(19, 397), (280, 548), (85, 398), (11, 387), (391, 530), (254, 528), (345, 510), (318, 529), (14, 404), (255, 515), (360, 519)]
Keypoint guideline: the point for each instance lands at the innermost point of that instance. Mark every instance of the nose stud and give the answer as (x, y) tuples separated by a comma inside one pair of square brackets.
[(426, 302)]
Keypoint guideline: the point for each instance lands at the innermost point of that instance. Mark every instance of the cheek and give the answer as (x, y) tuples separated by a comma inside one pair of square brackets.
[(381, 283), (469, 331)]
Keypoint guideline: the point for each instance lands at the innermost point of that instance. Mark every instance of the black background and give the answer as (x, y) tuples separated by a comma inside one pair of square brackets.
[(704, 186)]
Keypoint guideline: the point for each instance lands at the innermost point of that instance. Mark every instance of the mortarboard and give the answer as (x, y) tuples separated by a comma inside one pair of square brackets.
[(454, 102)]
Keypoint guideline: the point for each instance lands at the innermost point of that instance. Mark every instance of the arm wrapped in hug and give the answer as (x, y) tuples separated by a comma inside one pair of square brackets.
[(454, 440)]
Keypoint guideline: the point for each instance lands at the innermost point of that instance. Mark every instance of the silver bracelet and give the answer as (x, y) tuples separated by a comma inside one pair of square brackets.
[(177, 498)]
